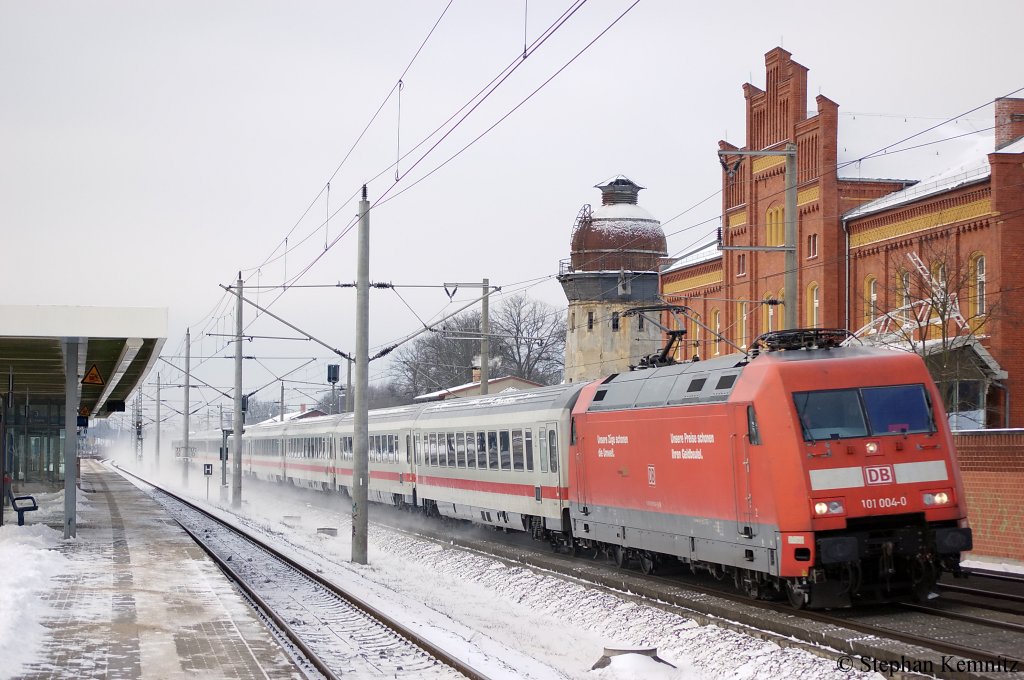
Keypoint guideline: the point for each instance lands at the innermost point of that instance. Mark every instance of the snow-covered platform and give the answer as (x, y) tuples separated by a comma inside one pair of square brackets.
[(131, 597)]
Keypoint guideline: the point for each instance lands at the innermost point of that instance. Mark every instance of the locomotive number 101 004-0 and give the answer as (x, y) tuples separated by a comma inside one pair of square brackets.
[(886, 502)]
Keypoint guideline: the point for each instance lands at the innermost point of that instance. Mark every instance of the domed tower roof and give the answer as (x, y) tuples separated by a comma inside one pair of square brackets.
[(619, 234)]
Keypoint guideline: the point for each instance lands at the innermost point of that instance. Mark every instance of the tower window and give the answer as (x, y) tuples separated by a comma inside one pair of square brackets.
[(639, 322), (615, 321), (741, 265), (590, 321)]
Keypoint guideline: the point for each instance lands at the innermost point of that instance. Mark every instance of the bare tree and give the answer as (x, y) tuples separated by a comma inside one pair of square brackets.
[(439, 359), (530, 339), (940, 311), (527, 336)]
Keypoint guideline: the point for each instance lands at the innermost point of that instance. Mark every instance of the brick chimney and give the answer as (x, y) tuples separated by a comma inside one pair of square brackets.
[(1009, 121)]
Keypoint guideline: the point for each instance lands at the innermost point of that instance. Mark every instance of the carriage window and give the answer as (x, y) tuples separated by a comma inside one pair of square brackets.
[(492, 450), (460, 449), (393, 447), (451, 449), (481, 450), (417, 448), (696, 385), (408, 449), (542, 442), (432, 448), (553, 450), (517, 450), (529, 450), (504, 450), (470, 449)]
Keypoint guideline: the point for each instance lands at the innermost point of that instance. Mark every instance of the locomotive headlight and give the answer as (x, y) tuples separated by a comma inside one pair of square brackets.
[(871, 448), (940, 498), (833, 507)]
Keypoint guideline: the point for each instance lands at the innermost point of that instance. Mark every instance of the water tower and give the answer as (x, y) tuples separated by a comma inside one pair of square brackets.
[(615, 252)]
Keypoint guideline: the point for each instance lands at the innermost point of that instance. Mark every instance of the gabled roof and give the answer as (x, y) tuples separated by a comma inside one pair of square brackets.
[(460, 390), (973, 171)]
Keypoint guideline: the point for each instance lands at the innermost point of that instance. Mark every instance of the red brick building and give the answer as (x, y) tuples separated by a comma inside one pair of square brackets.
[(853, 235)]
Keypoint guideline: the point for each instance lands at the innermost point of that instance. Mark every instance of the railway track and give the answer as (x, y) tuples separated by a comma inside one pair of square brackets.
[(930, 638), (948, 643), (339, 634)]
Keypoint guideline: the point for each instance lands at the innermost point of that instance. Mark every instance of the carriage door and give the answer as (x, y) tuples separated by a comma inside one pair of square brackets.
[(739, 446), (548, 450)]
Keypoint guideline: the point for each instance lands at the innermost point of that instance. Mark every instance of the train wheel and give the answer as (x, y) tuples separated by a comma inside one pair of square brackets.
[(924, 577), (647, 563), (620, 557), (797, 596)]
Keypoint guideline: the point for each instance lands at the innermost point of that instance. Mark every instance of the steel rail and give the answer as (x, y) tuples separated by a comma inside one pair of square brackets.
[(439, 653)]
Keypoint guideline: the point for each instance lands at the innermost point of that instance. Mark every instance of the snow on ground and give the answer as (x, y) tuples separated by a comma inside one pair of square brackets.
[(28, 561), (506, 615), (993, 564)]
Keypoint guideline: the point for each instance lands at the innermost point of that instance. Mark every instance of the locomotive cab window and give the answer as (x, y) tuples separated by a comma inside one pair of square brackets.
[(753, 433), (830, 414), (899, 409), (836, 414)]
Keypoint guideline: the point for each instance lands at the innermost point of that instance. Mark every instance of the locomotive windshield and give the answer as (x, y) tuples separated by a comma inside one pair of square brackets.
[(839, 414)]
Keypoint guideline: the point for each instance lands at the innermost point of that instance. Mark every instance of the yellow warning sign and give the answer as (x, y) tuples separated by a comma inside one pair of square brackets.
[(93, 377), (84, 411)]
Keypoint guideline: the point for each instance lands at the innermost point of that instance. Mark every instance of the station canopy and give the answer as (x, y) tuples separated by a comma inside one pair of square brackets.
[(115, 348)]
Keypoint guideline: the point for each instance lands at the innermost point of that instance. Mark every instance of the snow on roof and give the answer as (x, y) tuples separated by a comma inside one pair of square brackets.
[(972, 171), (621, 211), (288, 417), (459, 388), (707, 253)]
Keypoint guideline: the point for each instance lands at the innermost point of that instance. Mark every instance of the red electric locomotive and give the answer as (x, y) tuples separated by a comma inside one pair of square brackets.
[(820, 471)]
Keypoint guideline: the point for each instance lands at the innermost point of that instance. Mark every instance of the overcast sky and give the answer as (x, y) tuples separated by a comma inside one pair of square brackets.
[(152, 150)]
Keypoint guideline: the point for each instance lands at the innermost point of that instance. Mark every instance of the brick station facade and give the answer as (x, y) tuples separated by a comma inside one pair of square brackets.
[(853, 236)]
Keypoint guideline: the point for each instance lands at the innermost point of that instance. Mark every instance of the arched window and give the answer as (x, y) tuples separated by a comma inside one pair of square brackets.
[(939, 274), (870, 299), (775, 229), (813, 306), (767, 314), (716, 324), (978, 307), (904, 289), (741, 322)]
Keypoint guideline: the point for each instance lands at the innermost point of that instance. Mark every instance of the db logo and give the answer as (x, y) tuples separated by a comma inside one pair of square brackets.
[(879, 474)]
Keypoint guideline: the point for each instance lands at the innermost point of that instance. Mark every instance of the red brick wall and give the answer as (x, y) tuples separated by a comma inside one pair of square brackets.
[(992, 465)]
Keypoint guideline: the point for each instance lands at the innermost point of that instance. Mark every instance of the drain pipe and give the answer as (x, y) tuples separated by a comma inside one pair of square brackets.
[(846, 292)]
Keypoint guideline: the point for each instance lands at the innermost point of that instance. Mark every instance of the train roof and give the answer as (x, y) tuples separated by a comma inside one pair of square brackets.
[(552, 397), (704, 382), (686, 383)]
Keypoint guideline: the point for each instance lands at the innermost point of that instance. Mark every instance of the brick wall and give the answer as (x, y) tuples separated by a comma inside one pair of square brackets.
[(992, 465)]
